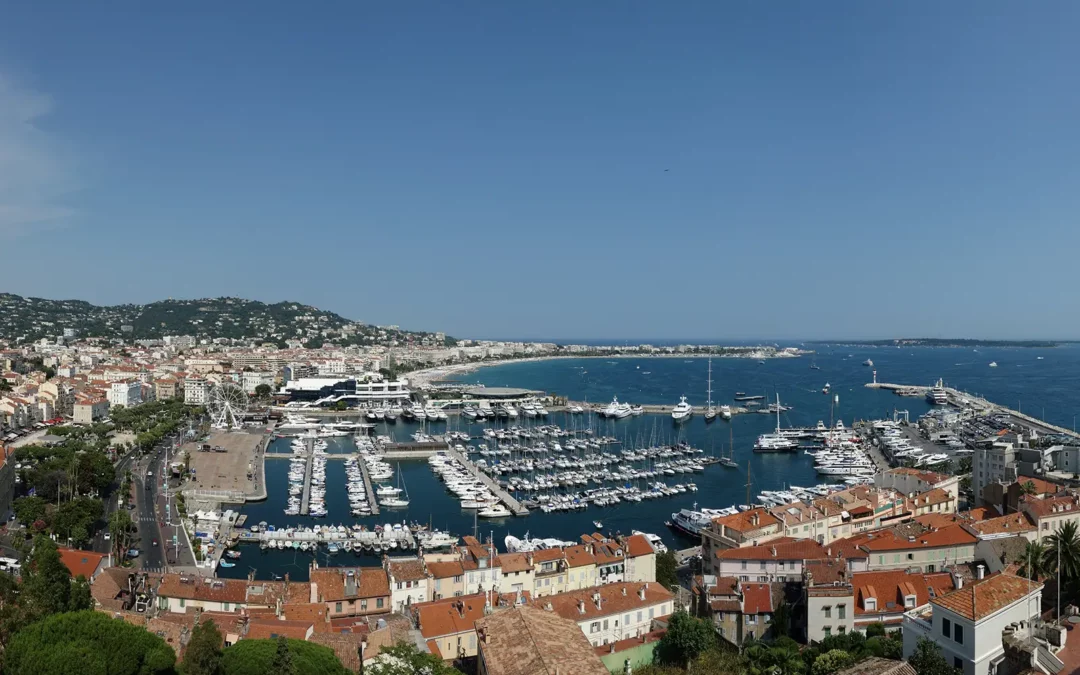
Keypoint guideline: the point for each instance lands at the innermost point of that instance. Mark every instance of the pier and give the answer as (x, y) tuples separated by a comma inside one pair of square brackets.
[(305, 501), (371, 500), (514, 505), (397, 537)]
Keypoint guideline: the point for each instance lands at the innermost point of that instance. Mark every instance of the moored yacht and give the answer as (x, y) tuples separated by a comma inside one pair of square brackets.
[(682, 411)]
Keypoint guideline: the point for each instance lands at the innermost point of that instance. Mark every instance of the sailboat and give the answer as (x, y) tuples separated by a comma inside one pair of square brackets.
[(729, 460), (396, 500), (710, 411)]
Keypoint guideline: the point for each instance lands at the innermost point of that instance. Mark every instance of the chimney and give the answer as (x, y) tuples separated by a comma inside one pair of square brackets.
[(624, 591), (461, 609), (958, 580), (774, 551), (626, 667), (598, 600), (581, 606), (980, 571), (754, 519), (641, 593)]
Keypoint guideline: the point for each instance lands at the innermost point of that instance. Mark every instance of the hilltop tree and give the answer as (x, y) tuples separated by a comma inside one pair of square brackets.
[(686, 638), (203, 655), (406, 659), (88, 643), (667, 570), (1063, 554), (927, 659)]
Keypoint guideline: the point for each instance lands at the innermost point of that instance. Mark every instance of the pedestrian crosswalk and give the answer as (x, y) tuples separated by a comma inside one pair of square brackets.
[(147, 519), (154, 570)]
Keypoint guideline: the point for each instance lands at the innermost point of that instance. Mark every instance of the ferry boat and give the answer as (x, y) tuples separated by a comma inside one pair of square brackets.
[(692, 522), (683, 411)]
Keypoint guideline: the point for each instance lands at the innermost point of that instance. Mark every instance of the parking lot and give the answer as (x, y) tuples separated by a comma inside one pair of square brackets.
[(226, 470)]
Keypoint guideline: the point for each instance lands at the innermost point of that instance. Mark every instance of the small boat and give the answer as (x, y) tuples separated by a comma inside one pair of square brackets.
[(333, 548), (496, 511), (226, 564), (233, 554), (868, 363), (598, 525), (993, 364)]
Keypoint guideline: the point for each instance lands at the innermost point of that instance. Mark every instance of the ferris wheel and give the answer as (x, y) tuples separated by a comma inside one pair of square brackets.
[(226, 405)]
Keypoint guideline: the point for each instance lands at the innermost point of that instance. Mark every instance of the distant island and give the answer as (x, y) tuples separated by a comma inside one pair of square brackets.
[(939, 342)]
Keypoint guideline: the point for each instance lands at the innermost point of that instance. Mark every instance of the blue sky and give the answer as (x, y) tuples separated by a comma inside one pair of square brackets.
[(640, 169)]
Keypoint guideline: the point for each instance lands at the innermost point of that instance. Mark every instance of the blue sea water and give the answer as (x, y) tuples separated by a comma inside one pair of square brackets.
[(1045, 388)]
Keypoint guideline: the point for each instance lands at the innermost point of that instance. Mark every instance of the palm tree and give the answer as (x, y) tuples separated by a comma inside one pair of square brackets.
[(1033, 561), (1028, 488), (1063, 554)]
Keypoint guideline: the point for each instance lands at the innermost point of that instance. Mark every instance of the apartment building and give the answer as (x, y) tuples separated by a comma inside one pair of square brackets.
[(127, 393), (780, 560), (976, 623), (180, 593), (409, 582), (89, 410), (196, 391), (614, 612), (1049, 514), (529, 640), (739, 611), (747, 528), (911, 481), (350, 591), (996, 464)]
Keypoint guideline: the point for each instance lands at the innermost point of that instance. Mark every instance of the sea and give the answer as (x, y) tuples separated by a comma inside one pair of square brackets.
[(1038, 381)]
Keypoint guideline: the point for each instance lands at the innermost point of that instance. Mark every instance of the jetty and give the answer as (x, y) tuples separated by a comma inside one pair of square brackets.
[(390, 537), (514, 505), (371, 500), (305, 500)]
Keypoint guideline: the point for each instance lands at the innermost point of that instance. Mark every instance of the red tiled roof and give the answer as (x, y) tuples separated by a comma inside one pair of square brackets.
[(1014, 523), (80, 562), (530, 641), (198, 588), (614, 599), (445, 570), (450, 616), (801, 549), (886, 587), (638, 545), (887, 540), (743, 521), (578, 556), (757, 598), (1052, 506), (981, 598)]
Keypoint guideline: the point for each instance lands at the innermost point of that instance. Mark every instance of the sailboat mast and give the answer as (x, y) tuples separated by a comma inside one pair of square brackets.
[(747, 482), (709, 403)]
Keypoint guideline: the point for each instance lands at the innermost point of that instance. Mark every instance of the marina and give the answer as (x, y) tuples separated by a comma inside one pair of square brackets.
[(558, 504)]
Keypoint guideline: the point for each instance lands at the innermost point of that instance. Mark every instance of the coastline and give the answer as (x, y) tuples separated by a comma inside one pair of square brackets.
[(427, 376)]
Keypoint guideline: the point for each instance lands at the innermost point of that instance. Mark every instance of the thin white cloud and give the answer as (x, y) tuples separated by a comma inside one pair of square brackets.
[(35, 169)]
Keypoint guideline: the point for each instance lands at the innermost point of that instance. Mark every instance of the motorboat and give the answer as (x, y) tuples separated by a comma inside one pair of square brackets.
[(868, 363), (637, 411), (725, 412), (682, 410), (495, 511)]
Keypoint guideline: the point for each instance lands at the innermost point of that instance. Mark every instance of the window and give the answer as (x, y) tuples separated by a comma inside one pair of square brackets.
[(841, 611), (378, 603), (399, 585), (744, 564), (363, 604), (224, 606), (763, 578), (957, 663), (828, 612), (910, 556), (472, 640), (457, 580), (896, 558), (958, 634), (337, 607), (182, 602), (639, 616), (720, 630), (828, 631), (909, 601), (870, 604), (751, 619), (652, 612), (762, 563), (594, 627), (626, 620), (946, 627), (605, 624), (881, 560), (750, 635), (842, 629)]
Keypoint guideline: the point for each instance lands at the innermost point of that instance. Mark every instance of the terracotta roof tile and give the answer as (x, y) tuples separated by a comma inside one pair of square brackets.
[(81, 562), (801, 549), (514, 562), (530, 641), (743, 521), (1014, 523), (407, 570), (757, 598), (1051, 506), (191, 587), (578, 556), (445, 570), (614, 599), (979, 599), (638, 545), (450, 616)]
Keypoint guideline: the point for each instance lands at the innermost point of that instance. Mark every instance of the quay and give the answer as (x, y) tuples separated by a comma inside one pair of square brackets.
[(962, 399), (289, 455), (371, 500), (649, 409), (496, 489), (390, 537), (305, 500)]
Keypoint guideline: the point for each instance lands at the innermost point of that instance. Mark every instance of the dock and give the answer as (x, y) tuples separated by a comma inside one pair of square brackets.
[(514, 505), (305, 501), (309, 538), (370, 492)]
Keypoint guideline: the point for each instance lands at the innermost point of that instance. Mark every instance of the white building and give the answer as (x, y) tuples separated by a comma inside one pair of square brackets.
[(252, 380), (968, 623), (994, 465), (613, 612), (196, 392), (409, 583), (127, 393)]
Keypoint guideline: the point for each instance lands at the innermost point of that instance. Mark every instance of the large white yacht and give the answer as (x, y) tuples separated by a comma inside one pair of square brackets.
[(725, 412), (937, 395), (616, 410), (683, 411)]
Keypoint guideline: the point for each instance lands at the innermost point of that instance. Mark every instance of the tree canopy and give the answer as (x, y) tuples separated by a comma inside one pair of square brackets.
[(667, 570), (927, 659), (203, 654), (406, 659), (686, 638), (258, 657), (87, 643)]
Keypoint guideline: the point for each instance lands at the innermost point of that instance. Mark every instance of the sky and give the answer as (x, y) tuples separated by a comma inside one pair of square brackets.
[(706, 170)]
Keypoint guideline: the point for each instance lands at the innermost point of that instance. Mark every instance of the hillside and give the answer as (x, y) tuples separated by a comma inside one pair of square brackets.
[(25, 319)]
